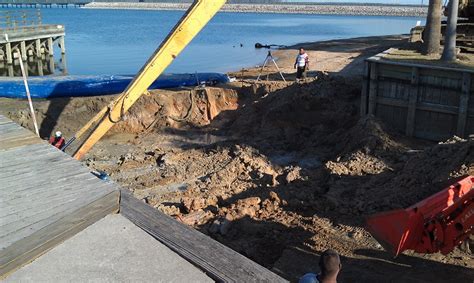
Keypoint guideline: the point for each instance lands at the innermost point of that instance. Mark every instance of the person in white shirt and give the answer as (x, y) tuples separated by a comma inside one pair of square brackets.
[(301, 64)]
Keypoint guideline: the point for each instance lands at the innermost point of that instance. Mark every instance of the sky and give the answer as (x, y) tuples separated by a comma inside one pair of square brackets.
[(413, 2)]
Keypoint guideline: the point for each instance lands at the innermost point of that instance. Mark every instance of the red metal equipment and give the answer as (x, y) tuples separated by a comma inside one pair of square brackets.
[(436, 224)]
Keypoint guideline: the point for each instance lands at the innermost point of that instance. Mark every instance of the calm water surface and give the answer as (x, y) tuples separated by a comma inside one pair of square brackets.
[(120, 41)]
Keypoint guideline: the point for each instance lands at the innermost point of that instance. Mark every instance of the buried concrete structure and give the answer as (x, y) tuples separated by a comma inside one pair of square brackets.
[(58, 222)]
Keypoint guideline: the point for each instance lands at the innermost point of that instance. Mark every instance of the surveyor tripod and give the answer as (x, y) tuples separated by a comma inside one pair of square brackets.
[(267, 59)]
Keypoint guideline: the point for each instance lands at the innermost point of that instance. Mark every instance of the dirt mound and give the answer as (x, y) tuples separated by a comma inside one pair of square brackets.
[(368, 135), (299, 115), (423, 175), (397, 179), (165, 109)]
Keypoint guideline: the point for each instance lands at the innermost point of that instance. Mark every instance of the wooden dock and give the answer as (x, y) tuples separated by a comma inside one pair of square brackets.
[(43, 3), (22, 34), (47, 197)]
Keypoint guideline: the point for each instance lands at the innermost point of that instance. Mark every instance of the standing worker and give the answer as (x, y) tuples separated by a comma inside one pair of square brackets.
[(57, 140), (329, 264), (301, 64)]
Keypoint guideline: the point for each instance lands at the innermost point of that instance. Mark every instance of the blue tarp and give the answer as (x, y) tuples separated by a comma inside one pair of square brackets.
[(66, 86)]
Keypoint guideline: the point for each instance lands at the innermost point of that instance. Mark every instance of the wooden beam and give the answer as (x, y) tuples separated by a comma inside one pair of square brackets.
[(50, 46), (385, 61), (218, 261), (24, 56), (365, 89), (62, 45), (373, 88), (412, 99), (38, 48), (463, 104), (8, 51)]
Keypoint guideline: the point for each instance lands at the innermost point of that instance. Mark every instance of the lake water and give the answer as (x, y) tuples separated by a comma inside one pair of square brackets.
[(120, 41)]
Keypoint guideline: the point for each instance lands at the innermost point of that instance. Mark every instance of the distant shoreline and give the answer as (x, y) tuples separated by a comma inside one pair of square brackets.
[(319, 9)]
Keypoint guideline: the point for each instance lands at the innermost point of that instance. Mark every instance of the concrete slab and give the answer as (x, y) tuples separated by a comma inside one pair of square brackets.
[(111, 250)]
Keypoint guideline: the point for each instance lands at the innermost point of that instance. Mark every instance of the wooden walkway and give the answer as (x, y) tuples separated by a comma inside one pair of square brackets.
[(45, 197)]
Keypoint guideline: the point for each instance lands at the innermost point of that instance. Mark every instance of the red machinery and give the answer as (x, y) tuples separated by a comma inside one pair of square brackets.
[(436, 224)]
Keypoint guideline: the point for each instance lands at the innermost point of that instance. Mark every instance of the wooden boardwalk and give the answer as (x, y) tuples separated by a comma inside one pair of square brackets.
[(45, 196)]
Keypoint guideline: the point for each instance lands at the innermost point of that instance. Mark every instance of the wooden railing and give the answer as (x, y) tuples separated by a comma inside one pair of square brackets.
[(14, 20)]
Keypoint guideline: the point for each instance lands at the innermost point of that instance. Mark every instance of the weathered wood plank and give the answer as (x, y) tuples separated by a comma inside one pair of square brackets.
[(50, 236), (35, 220), (463, 105), (365, 90), (420, 106), (218, 261), (46, 196), (413, 98), (373, 88)]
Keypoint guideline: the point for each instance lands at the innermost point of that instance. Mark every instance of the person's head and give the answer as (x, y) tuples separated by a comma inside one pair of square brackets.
[(302, 50), (58, 134), (330, 263)]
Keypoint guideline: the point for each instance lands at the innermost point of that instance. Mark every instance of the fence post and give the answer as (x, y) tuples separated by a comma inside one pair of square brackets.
[(412, 99), (62, 45), (38, 48), (365, 88), (373, 86), (24, 56), (463, 104), (8, 50), (50, 46)]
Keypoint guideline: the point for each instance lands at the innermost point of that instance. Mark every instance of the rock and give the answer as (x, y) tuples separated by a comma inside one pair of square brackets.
[(221, 226), (274, 197), (293, 174), (169, 210), (251, 201), (247, 211), (196, 217), (193, 204)]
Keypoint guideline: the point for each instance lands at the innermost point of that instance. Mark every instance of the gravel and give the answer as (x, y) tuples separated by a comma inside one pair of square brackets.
[(367, 10)]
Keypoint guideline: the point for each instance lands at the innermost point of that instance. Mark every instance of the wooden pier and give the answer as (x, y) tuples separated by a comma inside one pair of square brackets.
[(43, 3), (22, 35), (50, 204)]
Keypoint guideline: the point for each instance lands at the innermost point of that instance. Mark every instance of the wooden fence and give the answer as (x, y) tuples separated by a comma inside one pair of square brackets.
[(423, 101)]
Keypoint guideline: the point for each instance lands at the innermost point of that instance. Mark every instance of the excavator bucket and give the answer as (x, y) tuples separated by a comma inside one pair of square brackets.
[(437, 223), (395, 230)]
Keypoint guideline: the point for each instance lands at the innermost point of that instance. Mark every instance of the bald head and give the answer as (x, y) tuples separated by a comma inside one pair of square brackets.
[(330, 263)]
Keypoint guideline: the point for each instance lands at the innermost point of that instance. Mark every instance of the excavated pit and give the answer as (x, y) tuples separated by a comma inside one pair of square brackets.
[(278, 172)]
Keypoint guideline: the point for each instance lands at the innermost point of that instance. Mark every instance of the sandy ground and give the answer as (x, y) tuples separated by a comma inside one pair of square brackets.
[(343, 57), (277, 171)]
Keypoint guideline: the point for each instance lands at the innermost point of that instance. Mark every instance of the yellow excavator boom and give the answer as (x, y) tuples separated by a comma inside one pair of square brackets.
[(197, 16)]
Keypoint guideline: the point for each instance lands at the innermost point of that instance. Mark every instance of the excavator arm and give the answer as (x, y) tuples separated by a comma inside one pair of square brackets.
[(197, 16)]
